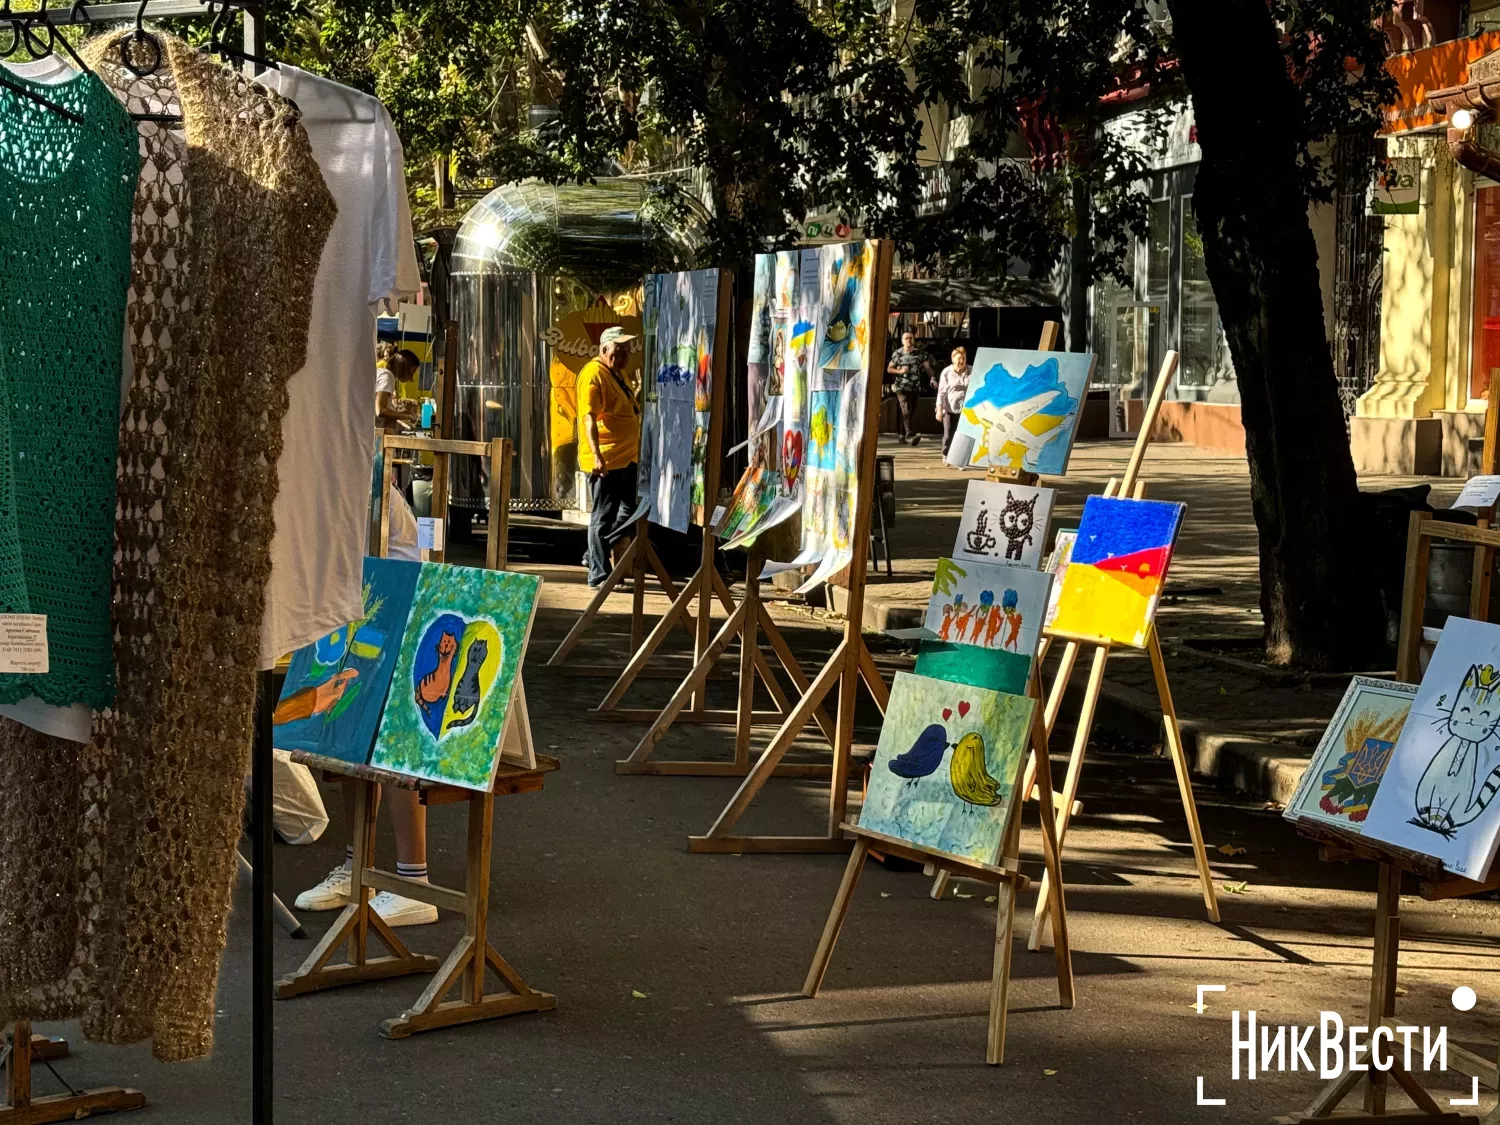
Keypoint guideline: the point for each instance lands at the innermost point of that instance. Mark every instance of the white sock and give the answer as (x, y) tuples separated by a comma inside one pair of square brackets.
[(349, 857), (417, 871)]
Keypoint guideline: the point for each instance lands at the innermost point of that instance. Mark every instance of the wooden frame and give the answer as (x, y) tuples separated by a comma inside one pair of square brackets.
[(468, 963), (1433, 882), (1004, 873), (499, 452), (640, 555), (850, 662), (21, 1108)]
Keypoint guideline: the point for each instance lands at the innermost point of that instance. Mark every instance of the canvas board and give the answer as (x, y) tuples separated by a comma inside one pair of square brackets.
[(1346, 769), (680, 321), (947, 766), (1021, 411), (1438, 793), (335, 688), (1057, 565), (455, 683), (1117, 569), (1004, 523)]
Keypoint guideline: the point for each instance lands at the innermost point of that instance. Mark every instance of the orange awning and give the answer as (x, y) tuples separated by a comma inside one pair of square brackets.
[(1431, 68)]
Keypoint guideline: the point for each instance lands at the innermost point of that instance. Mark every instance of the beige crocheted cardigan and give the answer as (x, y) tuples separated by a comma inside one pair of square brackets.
[(117, 858)]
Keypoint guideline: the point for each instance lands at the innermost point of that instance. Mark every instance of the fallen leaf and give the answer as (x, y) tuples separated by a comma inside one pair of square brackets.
[(960, 894), (1400, 991), (1223, 691), (990, 898), (638, 994), (1048, 1073), (1230, 849), (1236, 888), (885, 894)]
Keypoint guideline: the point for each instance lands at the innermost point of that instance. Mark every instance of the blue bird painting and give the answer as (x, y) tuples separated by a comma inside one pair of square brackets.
[(925, 755)]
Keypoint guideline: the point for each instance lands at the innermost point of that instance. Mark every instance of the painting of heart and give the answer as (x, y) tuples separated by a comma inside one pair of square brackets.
[(963, 708)]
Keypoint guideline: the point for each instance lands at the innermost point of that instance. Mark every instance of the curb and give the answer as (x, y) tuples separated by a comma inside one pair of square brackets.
[(1269, 770), (879, 614)]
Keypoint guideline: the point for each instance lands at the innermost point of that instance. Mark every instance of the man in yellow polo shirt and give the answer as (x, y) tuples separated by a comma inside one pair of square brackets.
[(610, 448)]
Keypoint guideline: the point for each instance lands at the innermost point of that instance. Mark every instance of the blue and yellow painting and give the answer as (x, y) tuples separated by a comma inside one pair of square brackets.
[(1021, 411), (846, 269), (335, 688), (947, 766), (455, 679)]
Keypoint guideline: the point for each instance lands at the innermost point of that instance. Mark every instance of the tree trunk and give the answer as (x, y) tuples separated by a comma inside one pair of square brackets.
[(1319, 603)]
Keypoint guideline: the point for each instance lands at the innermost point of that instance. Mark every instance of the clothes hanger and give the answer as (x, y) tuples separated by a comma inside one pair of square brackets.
[(216, 44), (20, 30)]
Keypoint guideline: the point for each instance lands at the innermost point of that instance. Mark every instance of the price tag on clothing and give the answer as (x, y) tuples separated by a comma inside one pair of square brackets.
[(430, 533), (23, 643)]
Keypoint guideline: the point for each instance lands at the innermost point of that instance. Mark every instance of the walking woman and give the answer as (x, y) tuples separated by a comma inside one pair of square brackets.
[(953, 387)]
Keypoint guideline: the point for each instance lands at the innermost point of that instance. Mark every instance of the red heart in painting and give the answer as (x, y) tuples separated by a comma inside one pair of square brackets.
[(963, 708), (947, 712)]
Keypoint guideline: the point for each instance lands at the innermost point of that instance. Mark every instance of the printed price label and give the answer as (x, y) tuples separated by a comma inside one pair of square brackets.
[(23, 643), (718, 517), (430, 533)]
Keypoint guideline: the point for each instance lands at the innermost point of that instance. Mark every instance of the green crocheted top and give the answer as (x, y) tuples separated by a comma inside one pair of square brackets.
[(66, 196)]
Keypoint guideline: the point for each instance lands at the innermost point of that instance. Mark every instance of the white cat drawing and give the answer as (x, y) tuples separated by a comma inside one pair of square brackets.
[(1464, 774)]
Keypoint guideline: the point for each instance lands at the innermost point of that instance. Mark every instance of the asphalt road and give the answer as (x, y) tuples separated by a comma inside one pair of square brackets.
[(677, 974)]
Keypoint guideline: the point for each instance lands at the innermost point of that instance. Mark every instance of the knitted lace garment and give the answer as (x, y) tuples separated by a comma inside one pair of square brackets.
[(65, 204), (229, 229)]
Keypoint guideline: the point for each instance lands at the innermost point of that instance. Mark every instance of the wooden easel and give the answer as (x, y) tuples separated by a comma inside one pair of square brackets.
[(640, 554), (21, 1108), (499, 452), (1128, 485), (1433, 882), (850, 662), (466, 966), (1005, 874)]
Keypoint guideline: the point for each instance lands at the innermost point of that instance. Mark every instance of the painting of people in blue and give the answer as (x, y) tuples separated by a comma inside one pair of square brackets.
[(1021, 411), (454, 685), (947, 766), (336, 687)]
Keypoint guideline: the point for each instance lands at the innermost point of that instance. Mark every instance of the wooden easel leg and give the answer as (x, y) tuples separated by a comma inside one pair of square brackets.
[(1005, 917), (591, 611), (1051, 857), (1387, 948), (780, 743), (1184, 777), (784, 654), (638, 586), (749, 645), (838, 796), (704, 583), (688, 686), (643, 652), (836, 916), (874, 681), (1070, 785), (21, 1108)]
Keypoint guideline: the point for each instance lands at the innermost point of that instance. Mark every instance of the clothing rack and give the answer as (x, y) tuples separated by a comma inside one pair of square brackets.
[(253, 60)]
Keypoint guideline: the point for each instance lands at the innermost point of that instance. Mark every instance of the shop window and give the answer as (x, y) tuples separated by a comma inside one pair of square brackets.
[(1485, 348), (1204, 352)]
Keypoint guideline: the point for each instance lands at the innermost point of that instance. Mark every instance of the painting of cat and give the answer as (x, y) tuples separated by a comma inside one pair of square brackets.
[(1437, 795), (1004, 523)]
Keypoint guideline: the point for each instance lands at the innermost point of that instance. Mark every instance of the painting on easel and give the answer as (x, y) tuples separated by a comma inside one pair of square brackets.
[(1438, 793), (947, 766), (454, 689), (983, 625), (1345, 772), (1021, 411), (1117, 569), (1004, 523), (336, 687), (681, 314)]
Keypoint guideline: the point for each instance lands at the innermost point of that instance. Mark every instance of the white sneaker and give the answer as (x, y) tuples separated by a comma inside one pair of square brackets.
[(394, 910), (331, 894)]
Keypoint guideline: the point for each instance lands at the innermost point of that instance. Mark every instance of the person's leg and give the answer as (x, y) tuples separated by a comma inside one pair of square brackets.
[(903, 417), (620, 488), (950, 427), (333, 892), (598, 550), (908, 403), (409, 818)]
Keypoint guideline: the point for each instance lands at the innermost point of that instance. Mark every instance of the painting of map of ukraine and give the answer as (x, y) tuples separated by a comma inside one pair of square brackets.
[(1021, 411), (1119, 566)]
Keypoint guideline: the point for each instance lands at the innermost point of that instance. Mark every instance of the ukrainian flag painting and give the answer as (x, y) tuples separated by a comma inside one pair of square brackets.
[(1119, 566)]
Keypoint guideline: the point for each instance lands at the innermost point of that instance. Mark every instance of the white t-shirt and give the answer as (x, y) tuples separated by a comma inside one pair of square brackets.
[(323, 501), (385, 381)]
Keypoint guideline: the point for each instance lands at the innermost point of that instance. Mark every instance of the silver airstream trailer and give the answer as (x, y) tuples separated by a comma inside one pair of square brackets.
[(538, 273)]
